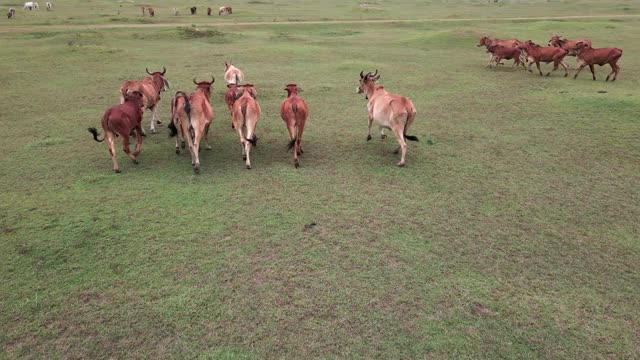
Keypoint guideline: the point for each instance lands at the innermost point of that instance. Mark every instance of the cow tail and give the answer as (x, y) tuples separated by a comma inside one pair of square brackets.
[(294, 108), (187, 110), (410, 116), (94, 131), (237, 79)]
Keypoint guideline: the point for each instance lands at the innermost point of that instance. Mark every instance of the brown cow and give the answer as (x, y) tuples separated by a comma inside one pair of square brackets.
[(152, 12), (389, 111), (246, 113), (486, 41), (151, 87), (500, 52), (569, 45), (587, 55), (294, 112), (209, 11), (225, 10), (193, 114), (230, 97), (537, 54), (121, 120), (232, 75)]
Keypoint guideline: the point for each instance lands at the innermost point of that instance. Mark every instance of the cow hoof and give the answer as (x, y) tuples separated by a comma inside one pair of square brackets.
[(614, 79), (565, 75), (144, 134), (607, 79), (158, 122), (196, 170), (153, 131), (177, 151), (183, 144), (118, 171), (548, 73), (368, 137), (135, 161), (208, 147), (383, 136), (296, 164), (233, 127), (575, 77), (400, 164), (248, 167), (530, 71)]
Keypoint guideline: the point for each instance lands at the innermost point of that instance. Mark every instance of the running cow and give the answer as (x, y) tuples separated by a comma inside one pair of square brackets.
[(246, 113), (569, 45), (232, 74), (121, 120), (193, 114), (537, 54), (294, 112), (151, 87), (588, 56), (509, 43), (388, 111)]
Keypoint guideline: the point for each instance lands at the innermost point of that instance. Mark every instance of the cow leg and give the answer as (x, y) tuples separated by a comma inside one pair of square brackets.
[(291, 127), (593, 72), (615, 76), (370, 123), (112, 150), (152, 128), (242, 140), (566, 68), (578, 71), (206, 137), (250, 135), (529, 67), (613, 71), (138, 140), (398, 132), (538, 66), (187, 137), (125, 147), (555, 67), (382, 135), (300, 130), (490, 59), (196, 150)]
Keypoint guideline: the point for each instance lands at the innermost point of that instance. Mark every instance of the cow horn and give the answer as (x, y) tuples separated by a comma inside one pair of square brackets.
[(195, 82), (148, 71), (213, 79), (375, 73), (164, 70), (361, 74)]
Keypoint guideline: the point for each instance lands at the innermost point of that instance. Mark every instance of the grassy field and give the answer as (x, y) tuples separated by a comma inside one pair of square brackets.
[(512, 232)]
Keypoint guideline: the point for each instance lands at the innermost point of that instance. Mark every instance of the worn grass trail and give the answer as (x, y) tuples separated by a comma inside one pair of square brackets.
[(512, 232)]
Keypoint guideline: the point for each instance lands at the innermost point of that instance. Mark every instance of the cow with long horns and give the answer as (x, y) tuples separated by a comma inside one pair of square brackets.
[(388, 111), (150, 88), (193, 114), (246, 113), (294, 112)]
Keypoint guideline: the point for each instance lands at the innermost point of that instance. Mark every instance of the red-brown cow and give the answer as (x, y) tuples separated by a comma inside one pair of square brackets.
[(230, 97), (209, 11), (246, 113), (225, 10), (121, 120), (486, 41), (152, 12), (569, 45), (294, 112), (537, 54), (587, 55), (151, 87), (193, 114), (501, 52)]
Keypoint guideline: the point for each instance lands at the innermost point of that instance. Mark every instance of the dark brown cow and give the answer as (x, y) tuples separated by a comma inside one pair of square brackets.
[(537, 54), (486, 41), (151, 87), (587, 55), (569, 45), (193, 10), (152, 12), (294, 112), (500, 52), (121, 120), (193, 114), (209, 11), (246, 113)]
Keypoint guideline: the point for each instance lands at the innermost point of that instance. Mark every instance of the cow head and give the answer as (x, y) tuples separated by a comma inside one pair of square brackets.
[(205, 86), (134, 96), (292, 89), (364, 79), (556, 41), (227, 65), (484, 41), (159, 79), (581, 46), (248, 88)]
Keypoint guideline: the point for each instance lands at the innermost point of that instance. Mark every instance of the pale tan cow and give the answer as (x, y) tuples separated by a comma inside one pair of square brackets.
[(232, 74), (151, 87), (245, 116)]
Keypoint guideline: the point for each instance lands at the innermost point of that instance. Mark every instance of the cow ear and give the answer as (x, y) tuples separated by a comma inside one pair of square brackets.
[(300, 89)]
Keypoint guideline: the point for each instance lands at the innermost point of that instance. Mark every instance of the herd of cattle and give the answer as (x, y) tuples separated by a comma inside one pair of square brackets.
[(31, 5), (192, 114), (558, 49)]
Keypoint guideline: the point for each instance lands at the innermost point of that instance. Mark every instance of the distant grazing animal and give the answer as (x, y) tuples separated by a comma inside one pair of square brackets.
[(193, 10), (31, 6), (143, 10), (193, 114), (246, 113), (176, 12), (225, 10), (587, 55), (232, 74), (569, 45), (152, 12), (486, 41), (389, 111), (49, 6), (294, 112), (537, 54), (121, 120), (500, 52), (209, 11), (231, 96), (151, 87), (11, 13)]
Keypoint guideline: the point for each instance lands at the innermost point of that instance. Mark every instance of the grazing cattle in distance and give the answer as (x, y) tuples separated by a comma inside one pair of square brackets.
[(232, 74), (193, 10), (176, 12), (587, 55), (537, 54), (246, 113), (11, 13), (225, 10), (152, 12), (389, 111), (294, 112), (209, 11), (31, 6), (151, 87), (193, 114), (49, 6), (569, 45), (121, 120), (230, 97), (486, 41), (500, 52)]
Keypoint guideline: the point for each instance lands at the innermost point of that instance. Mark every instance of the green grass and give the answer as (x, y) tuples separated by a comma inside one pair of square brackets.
[(511, 233)]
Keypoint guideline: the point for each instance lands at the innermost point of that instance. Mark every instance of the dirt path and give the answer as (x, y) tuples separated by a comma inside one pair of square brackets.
[(28, 28)]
